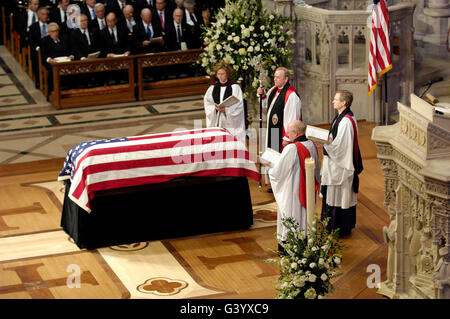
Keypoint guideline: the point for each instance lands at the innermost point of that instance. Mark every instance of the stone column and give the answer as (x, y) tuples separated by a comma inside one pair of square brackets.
[(437, 15)]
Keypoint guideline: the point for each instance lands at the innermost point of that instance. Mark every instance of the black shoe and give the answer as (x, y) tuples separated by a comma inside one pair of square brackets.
[(270, 191)]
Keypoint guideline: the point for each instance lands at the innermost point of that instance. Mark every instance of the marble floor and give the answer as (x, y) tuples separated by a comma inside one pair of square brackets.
[(31, 129)]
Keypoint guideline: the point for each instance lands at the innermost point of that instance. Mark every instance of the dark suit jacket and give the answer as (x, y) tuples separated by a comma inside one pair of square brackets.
[(55, 16), (195, 30), (168, 18), (108, 45), (141, 4), (84, 9), (34, 35), (50, 49), (140, 35), (20, 20), (93, 24), (170, 38), (80, 46), (113, 6)]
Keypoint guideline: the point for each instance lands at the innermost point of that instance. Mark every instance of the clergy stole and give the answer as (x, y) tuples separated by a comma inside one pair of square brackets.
[(303, 154), (216, 94), (357, 160), (277, 114)]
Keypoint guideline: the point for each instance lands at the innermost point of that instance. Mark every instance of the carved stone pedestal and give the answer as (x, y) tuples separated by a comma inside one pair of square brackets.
[(414, 155)]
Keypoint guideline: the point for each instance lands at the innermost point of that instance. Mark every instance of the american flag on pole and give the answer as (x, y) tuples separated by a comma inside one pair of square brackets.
[(130, 161), (380, 48)]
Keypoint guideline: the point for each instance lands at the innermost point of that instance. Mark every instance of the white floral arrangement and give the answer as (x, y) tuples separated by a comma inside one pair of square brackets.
[(308, 264), (249, 39)]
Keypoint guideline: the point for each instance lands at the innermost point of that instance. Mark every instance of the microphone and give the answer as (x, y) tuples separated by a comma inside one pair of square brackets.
[(440, 79)]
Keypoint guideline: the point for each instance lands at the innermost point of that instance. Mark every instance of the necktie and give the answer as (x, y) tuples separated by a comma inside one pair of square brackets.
[(162, 20), (87, 37), (130, 26), (33, 19), (102, 24), (178, 34), (44, 30), (113, 34), (149, 32), (93, 14), (65, 16), (193, 18)]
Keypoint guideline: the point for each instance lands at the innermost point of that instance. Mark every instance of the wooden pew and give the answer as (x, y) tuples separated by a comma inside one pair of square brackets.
[(106, 94), (172, 87)]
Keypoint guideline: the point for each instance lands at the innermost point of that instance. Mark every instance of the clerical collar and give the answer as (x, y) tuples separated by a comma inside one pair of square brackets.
[(301, 138), (223, 84), (279, 90)]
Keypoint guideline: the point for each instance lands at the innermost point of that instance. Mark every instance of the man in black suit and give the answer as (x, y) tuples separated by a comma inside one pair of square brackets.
[(130, 20), (37, 32), (142, 4), (117, 7), (60, 15), (24, 19), (99, 22), (162, 15), (144, 32), (88, 9), (193, 19), (84, 40), (177, 33), (53, 45), (114, 39)]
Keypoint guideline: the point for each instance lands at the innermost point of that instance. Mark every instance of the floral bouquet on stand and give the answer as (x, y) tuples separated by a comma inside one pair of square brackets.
[(247, 37), (308, 264)]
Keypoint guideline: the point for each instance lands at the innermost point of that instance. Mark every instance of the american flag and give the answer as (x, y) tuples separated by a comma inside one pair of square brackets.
[(380, 48), (130, 161)]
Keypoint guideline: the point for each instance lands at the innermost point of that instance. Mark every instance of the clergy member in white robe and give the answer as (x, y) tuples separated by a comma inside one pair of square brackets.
[(288, 178), (341, 165), (284, 106), (231, 117)]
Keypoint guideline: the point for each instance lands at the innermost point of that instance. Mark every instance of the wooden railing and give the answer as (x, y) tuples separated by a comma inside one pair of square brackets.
[(131, 90)]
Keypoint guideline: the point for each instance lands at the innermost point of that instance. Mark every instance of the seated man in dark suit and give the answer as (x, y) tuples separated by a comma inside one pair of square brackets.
[(142, 4), (99, 22), (144, 32), (59, 15), (84, 40), (24, 19), (54, 45), (193, 19), (162, 15), (88, 9), (114, 39), (37, 32), (129, 20), (177, 33), (117, 7)]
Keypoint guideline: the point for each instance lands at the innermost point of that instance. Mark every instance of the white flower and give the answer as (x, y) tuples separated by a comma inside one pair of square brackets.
[(242, 51), (218, 47), (312, 265), (271, 17), (266, 34), (223, 21), (252, 28), (263, 28), (312, 278), (236, 39), (314, 248), (310, 241), (250, 49), (337, 260), (294, 265), (324, 277), (246, 32), (229, 38), (324, 247), (257, 48), (321, 261), (310, 293)]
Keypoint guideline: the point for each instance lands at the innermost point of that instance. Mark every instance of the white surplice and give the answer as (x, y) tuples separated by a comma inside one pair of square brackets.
[(285, 181), (337, 168), (233, 119)]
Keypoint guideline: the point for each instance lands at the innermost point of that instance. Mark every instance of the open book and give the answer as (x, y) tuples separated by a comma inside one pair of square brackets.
[(62, 59), (229, 101), (270, 157), (157, 39), (317, 134), (93, 55)]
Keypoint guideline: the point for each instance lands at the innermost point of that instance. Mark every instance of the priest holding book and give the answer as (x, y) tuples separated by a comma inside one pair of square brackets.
[(224, 105), (341, 166), (288, 178)]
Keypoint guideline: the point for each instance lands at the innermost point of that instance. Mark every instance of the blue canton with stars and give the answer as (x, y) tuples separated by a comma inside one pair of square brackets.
[(69, 163)]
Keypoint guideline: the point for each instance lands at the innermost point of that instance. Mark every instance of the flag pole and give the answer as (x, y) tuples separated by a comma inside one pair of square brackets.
[(386, 105)]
